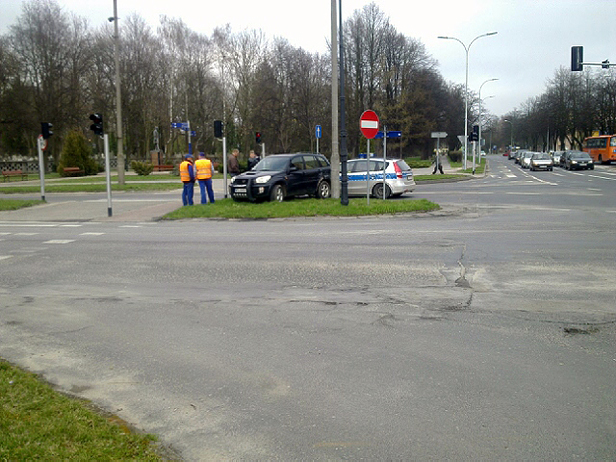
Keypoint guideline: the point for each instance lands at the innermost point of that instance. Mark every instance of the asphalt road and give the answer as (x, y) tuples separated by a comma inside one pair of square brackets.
[(485, 331)]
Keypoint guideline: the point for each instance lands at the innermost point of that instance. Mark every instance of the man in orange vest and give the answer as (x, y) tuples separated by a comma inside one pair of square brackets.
[(205, 171), (187, 175)]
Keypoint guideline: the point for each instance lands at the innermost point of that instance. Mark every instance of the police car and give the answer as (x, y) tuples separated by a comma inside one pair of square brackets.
[(398, 177)]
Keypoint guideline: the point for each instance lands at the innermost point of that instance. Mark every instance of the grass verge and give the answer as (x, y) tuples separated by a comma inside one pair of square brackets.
[(96, 187), (15, 204), (38, 423), (227, 208)]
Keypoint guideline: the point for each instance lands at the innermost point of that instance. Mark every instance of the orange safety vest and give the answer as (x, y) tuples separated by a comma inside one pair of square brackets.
[(204, 169), (184, 173)]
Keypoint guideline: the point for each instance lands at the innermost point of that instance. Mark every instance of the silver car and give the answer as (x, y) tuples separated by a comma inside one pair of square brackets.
[(525, 159), (541, 161), (398, 177)]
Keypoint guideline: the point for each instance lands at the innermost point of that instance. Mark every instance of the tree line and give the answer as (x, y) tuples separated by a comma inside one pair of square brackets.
[(575, 105), (55, 67)]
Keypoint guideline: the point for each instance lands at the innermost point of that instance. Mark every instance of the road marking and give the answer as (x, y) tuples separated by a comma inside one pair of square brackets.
[(4, 234), (5, 257), (602, 177), (130, 226), (71, 226), (25, 234), (91, 234), (59, 241)]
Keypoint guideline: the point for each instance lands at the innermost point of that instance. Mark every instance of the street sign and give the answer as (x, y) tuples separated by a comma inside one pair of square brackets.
[(369, 124), (379, 135), (42, 142), (439, 135), (180, 125), (317, 131)]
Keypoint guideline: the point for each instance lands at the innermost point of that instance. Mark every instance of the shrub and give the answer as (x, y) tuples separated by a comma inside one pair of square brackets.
[(455, 156), (142, 168), (76, 152)]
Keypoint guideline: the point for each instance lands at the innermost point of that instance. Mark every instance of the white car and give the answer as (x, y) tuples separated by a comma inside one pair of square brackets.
[(525, 159), (398, 177)]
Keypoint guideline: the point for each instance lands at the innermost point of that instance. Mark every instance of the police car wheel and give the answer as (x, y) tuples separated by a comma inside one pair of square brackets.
[(377, 191)]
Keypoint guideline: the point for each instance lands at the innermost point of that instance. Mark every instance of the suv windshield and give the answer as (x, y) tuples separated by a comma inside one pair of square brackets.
[(272, 164)]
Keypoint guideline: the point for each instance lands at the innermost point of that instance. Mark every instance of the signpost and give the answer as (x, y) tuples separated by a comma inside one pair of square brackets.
[(317, 134), (369, 126)]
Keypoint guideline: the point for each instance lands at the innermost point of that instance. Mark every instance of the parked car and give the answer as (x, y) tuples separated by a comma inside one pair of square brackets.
[(519, 155), (541, 161), (398, 177), (525, 159), (576, 160), (556, 155), (283, 175)]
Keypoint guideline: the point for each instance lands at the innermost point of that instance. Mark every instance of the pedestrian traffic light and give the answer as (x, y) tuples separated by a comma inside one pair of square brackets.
[(577, 58), (258, 137), (218, 128), (474, 136), (46, 129), (97, 124)]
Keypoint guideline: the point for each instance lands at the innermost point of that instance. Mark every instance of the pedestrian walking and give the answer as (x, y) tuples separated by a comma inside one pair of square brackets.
[(233, 164), (205, 172), (187, 175)]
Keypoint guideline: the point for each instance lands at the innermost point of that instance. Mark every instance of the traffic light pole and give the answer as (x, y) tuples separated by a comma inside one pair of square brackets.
[(224, 163), (108, 174), (39, 143)]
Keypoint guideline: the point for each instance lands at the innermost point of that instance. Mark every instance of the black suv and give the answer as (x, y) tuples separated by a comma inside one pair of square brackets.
[(283, 175)]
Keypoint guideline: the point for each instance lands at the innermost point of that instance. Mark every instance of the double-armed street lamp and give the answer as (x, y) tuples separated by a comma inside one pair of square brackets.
[(466, 49), (480, 119), (510, 122)]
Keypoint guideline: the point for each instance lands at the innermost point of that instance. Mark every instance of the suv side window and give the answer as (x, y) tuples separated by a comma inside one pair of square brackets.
[(298, 162), (311, 162)]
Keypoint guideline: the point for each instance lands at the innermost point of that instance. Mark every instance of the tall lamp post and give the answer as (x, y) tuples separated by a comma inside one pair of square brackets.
[(466, 49), (480, 119), (510, 122), (120, 141)]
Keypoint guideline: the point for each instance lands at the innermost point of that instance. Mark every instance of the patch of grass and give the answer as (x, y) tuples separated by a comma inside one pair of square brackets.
[(36, 422), (227, 208), (438, 176), (15, 204)]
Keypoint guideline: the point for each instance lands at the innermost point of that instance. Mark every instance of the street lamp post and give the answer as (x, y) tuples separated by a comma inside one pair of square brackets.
[(511, 145), (480, 120), (466, 49), (120, 141)]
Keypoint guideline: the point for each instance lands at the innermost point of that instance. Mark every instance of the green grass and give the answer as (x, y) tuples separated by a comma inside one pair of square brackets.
[(15, 204), (98, 186), (38, 423), (227, 208), (438, 176)]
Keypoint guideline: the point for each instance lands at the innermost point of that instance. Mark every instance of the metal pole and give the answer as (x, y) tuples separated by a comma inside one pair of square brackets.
[(384, 160), (39, 142), (344, 191), (107, 174), (224, 162), (368, 173)]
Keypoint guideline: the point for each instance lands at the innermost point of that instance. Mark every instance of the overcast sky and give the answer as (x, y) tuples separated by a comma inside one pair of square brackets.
[(534, 36)]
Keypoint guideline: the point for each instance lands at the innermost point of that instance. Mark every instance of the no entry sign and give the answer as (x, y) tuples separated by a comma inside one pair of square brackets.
[(369, 124)]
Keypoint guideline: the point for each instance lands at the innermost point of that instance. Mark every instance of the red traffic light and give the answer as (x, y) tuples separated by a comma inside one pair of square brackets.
[(258, 137)]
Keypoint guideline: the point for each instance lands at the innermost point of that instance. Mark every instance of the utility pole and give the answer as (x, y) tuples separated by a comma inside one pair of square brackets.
[(120, 139), (335, 158)]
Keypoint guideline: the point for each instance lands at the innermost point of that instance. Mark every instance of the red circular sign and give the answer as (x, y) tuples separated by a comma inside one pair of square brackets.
[(369, 124)]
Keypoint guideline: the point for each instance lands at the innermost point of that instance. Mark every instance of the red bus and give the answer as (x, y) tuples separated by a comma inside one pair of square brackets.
[(601, 148)]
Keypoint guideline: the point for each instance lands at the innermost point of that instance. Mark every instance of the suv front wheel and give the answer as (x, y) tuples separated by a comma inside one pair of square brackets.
[(277, 193)]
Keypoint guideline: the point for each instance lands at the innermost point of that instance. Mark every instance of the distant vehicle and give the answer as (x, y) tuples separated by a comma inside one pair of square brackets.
[(541, 161), (563, 158), (577, 160), (556, 157), (283, 175), (398, 177), (601, 148), (519, 155), (525, 159)]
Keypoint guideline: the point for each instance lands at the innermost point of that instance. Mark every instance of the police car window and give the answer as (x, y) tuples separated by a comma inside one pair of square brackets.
[(376, 165), (298, 162)]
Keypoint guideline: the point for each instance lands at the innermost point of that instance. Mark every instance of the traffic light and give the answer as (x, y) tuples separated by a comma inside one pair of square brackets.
[(46, 129), (577, 58), (218, 127), (97, 124), (474, 136), (258, 137)]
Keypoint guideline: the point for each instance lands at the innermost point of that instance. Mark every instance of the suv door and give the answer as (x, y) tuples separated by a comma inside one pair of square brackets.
[(296, 183), (312, 174)]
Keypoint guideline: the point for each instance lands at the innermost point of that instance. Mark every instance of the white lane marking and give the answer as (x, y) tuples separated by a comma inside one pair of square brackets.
[(59, 241), (71, 226), (25, 234), (92, 234), (5, 257)]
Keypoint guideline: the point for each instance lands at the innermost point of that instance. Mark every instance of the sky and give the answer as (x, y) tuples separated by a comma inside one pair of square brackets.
[(534, 37)]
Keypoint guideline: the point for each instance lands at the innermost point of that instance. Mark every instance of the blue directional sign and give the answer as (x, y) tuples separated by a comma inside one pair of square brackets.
[(379, 135), (317, 131), (180, 125)]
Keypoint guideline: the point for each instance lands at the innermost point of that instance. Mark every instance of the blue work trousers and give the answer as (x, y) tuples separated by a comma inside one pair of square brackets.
[(188, 192), (203, 185)]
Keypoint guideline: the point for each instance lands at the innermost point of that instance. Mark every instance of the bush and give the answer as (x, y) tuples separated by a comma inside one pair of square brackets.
[(76, 152), (142, 168), (455, 156)]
